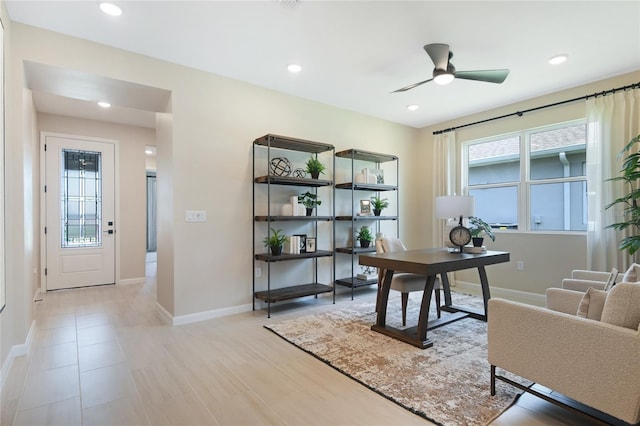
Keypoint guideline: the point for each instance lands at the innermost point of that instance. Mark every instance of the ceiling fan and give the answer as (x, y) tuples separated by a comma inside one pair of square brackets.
[(445, 72)]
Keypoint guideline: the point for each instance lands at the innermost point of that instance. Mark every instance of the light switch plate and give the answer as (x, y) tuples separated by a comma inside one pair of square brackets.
[(196, 216)]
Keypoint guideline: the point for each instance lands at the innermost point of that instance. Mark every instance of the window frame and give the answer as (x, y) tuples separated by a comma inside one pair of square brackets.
[(523, 187)]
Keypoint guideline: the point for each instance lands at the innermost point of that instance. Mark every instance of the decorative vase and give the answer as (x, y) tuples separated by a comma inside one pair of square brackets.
[(364, 243), (276, 250), (376, 212), (309, 211), (477, 241)]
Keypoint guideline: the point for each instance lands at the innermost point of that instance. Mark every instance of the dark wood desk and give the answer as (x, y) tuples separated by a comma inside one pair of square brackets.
[(430, 263)]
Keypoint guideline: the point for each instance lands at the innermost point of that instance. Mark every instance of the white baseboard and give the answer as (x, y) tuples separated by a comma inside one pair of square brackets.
[(504, 293), (37, 296), (201, 316), (129, 281), (16, 351)]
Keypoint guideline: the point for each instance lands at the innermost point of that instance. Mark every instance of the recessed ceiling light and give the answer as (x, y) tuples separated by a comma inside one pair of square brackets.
[(294, 68), (558, 59), (110, 9), (104, 104), (413, 107)]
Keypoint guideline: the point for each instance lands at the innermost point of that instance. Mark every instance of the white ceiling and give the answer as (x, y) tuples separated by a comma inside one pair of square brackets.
[(354, 53)]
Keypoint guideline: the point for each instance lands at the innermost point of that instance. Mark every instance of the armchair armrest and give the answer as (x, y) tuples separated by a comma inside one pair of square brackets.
[(592, 362), (563, 300), (582, 285), (582, 274)]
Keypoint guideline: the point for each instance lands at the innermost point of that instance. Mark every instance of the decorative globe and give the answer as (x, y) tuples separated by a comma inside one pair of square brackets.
[(280, 166), (299, 173)]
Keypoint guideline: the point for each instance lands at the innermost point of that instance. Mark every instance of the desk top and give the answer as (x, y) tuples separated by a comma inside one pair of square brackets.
[(432, 261)]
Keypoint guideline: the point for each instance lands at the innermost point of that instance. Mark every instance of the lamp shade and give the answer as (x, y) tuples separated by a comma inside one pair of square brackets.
[(454, 206)]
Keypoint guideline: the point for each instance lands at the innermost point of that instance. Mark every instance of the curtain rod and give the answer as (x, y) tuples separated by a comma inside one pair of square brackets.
[(521, 113)]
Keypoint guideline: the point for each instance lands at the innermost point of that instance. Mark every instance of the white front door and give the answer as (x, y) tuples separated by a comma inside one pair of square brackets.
[(79, 212)]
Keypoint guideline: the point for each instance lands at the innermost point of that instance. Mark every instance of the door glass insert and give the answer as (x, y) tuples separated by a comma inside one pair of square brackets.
[(81, 199)]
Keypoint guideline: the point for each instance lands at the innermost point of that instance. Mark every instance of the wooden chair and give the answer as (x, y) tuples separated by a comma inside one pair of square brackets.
[(404, 282)]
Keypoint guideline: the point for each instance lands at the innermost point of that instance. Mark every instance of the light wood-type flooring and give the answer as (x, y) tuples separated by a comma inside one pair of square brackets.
[(102, 356)]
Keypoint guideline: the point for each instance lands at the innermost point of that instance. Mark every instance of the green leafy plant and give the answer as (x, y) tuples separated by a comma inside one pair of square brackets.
[(309, 200), (364, 234), (629, 175), (479, 228), (315, 166), (378, 203), (276, 239)]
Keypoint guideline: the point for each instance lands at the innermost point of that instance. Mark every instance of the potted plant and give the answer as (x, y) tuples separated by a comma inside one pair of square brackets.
[(479, 228), (378, 204), (309, 200), (364, 236), (275, 242), (630, 173), (315, 167)]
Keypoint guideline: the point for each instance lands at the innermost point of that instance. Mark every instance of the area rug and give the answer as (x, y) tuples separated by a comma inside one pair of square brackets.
[(447, 384)]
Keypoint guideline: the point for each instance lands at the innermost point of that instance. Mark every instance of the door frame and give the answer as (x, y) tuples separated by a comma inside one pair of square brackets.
[(43, 201)]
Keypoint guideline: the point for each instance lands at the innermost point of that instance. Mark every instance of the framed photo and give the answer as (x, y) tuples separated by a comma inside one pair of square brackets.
[(311, 245), (303, 242), (365, 207), (379, 176)]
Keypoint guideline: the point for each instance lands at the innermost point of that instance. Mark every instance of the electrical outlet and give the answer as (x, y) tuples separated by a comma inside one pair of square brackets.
[(258, 272), (196, 216), (520, 265)]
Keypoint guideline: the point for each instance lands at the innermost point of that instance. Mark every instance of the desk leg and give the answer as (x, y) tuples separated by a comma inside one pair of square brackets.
[(444, 280), (383, 298), (423, 319), (486, 294)]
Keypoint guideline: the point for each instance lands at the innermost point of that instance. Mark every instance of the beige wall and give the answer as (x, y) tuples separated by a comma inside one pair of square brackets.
[(131, 201), (548, 257)]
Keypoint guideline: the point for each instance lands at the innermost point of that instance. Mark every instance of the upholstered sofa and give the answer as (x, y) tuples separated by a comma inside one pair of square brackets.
[(593, 358)]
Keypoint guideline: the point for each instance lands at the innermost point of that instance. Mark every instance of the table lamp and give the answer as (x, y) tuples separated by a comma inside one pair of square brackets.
[(453, 206)]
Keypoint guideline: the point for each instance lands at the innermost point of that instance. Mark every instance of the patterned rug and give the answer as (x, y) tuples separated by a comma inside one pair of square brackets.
[(447, 384)]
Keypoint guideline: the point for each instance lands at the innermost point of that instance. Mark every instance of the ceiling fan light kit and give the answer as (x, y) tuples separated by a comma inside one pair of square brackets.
[(444, 71)]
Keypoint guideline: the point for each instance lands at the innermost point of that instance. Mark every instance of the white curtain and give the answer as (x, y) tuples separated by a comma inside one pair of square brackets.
[(445, 169), (612, 121)]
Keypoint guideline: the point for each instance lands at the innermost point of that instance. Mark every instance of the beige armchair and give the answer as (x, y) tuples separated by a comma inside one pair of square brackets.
[(405, 282), (581, 279), (596, 363)]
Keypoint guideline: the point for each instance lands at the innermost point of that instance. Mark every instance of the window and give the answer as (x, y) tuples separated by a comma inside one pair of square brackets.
[(532, 180)]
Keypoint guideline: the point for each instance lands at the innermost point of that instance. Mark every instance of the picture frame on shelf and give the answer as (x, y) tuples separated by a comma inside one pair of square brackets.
[(303, 242), (365, 207), (379, 176), (310, 245)]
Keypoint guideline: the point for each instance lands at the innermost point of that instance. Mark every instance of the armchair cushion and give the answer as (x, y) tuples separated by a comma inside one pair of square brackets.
[(632, 274), (622, 306), (592, 304)]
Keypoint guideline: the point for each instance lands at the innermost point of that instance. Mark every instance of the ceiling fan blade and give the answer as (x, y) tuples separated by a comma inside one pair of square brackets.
[(490, 76), (411, 86), (439, 54)]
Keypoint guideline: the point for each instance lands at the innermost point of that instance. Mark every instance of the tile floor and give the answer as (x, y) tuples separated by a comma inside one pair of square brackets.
[(102, 356)]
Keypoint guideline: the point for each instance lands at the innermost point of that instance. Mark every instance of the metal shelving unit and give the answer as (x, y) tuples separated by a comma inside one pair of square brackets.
[(274, 184)]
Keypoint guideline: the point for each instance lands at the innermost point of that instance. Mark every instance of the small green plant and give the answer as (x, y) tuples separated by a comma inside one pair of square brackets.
[(479, 228), (315, 166), (629, 175), (378, 203), (364, 234), (276, 239), (309, 200)]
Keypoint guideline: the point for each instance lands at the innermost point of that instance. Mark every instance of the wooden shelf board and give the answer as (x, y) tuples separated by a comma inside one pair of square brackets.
[(356, 250), (366, 187), (355, 282), (358, 154), (369, 217), (292, 292), (285, 142), (292, 218), (283, 257), (292, 181)]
